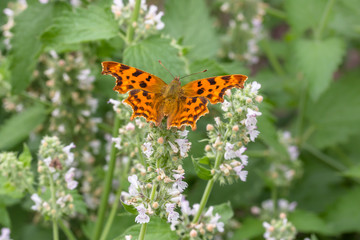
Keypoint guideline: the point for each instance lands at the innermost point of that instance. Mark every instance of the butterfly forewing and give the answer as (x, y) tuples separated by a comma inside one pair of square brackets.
[(213, 88), (129, 78)]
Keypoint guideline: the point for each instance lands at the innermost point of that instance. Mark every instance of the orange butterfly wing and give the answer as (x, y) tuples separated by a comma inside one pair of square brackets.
[(128, 78), (213, 88), (145, 95)]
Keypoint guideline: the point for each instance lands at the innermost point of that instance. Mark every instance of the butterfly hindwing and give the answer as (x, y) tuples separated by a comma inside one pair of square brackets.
[(129, 78), (145, 104), (190, 110), (214, 88)]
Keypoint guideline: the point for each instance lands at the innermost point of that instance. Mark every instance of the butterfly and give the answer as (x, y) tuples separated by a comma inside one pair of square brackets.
[(150, 97)]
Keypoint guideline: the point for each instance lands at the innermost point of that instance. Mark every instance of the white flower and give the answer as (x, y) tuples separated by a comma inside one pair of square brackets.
[(130, 127), (195, 209), (115, 104), (75, 3), (251, 117), (128, 237), (37, 200), (253, 133), (61, 202), (172, 215), (134, 185), (217, 121), (153, 18), (243, 158), (69, 178), (242, 174), (70, 155), (56, 98), (148, 150), (173, 147), (268, 205), (5, 234), (85, 79), (117, 142), (47, 162), (179, 184), (269, 230), (185, 207), (43, 1), (219, 225), (225, 106), (184, 146), (142, 217), (229, 152), (209, 212), (183, 133), (293, 152)]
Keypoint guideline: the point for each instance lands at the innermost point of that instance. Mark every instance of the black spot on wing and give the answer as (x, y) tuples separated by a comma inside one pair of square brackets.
[(124, 67), (143, 84), (211, 81), (137, 73)]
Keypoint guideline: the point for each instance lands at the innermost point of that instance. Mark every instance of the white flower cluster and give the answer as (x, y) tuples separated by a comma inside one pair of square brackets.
[(268, 208), (5, 234), (207, 226), (55, 174), (279, 228), (167, 198), (231, 136), (149, 18)]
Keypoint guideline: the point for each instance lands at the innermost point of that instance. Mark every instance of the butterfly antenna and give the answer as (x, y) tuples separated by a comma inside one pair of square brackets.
[(193, 74), (166, 69)]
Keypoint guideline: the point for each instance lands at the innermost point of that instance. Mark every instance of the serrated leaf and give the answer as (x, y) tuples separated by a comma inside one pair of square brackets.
[(309, 222), (250, 229), (305, 14), (81, 25), (19, 126), (25, 157), (157, 229), (225, 211), (205, 160), (201, 171), (26, 45), (334, 117), (129, 208), (147, 53), (318, 60), (190, 21)]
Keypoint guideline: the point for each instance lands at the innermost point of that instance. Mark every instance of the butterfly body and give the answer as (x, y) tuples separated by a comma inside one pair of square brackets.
[(151, 98)]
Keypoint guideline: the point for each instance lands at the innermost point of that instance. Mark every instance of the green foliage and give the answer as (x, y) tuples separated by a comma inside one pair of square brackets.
[(201, 171), (225, 211), (26, 41), (157, 229), (81, 25), (19, 126), (318, 60), (129, 208), (250, 229), (4, 216)]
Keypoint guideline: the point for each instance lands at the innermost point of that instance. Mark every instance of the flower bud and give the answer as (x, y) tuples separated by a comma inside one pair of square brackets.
[(212, 171), (149, 185), (207, 148), (248, 100), (210, 227), (235, 128), (259, 98), (282, 215), (193, 233), (155, 205), (209, 127), (160, 140)]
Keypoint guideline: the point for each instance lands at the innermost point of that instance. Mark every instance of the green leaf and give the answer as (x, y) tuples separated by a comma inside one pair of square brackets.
[(201, 171), (26, 46), (344, 215), (334, 118), (19, 126), (146, 54), (353, 172), (129, 208), (4, 216), (225, 211), (309, 222), (189, 20), (205, 160), (305, 14), (157, 229), (81, 25), (25, 157), (249, 229), (318, 60), (79, 204)]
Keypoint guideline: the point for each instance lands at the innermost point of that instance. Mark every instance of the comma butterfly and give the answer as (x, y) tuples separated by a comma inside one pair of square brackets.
[(151, 98)]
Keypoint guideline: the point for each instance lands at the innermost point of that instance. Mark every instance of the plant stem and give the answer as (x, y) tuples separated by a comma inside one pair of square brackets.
[(142, 231), (134, 17), (53, 203), (324, 19), (272, 58), (208, 188), (301, 112), (275, 12), (66, 230), (107, 184), (116, 203)]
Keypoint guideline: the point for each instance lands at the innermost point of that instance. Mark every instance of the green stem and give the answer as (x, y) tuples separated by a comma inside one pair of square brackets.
[(276, 12), (116, 202), (140, 154), (144, 225), (272, 58), (134, 17), (66, 230), (53, 203), (324, 19), (208, 188), (274, 197), (324, 158), (301, 112), (107, 184)]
